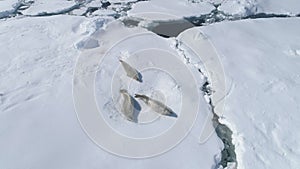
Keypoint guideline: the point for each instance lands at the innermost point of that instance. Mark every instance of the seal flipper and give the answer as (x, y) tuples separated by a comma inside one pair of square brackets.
[(171, 113)]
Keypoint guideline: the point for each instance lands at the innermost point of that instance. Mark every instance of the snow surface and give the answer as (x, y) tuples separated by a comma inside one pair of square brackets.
[(261, 62), (248, 7), (109, 81), (186, 8), (46, 6), (7, 5), (38, 123), (261, 59), (239, 8), (178, 8), (291, 7)]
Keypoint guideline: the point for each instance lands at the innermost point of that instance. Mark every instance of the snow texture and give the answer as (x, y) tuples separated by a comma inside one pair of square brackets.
[(261, 62), (260, 58)]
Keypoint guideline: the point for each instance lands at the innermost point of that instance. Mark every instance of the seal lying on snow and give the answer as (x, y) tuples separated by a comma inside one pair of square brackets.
[(156, 106), (131, 72), (129, 106)]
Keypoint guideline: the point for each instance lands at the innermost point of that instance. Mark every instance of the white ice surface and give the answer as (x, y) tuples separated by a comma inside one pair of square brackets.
[(38, 124), (261, 60), (291, 7), (239, 8), (7, 7), (177, 8), (185, 8), (7, 4), (248, 7), (46, 6)]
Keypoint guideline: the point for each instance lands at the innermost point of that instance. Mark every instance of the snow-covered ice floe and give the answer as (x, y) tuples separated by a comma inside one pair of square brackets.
[(38, 121), (232, 8), (291, 7), (45, 6), (261, 61), (6, 5), (144, 51), (178, 8), (252, 7)]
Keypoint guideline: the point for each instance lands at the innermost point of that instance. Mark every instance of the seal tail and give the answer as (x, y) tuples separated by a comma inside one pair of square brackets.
[(171, 113)]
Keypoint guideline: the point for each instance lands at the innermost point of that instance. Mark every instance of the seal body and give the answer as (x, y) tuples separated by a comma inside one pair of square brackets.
[(131, 72), (127, 105), (156, 105)]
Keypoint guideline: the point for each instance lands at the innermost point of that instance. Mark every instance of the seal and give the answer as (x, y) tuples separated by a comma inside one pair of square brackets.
[(156, 105), (131, 72), (129, 106)]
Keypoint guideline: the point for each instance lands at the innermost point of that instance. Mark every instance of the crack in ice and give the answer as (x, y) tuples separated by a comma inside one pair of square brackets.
[(228, 155)]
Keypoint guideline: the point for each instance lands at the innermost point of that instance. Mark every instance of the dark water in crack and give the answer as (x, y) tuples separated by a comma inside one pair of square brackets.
[(173, 28), (170, 28), (225, 134), (162, 28)]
